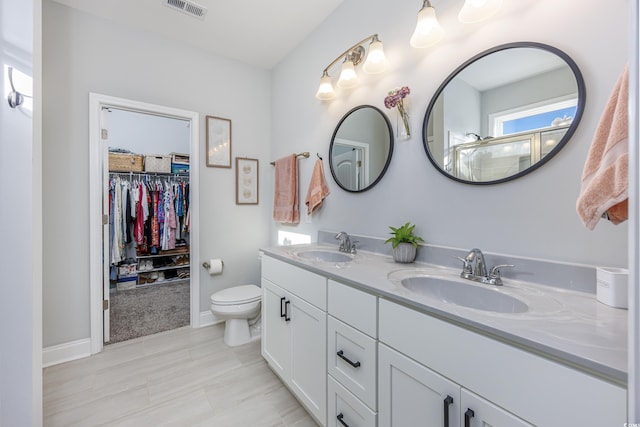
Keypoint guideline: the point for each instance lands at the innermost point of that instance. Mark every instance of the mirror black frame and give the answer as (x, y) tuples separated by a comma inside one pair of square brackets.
[(386, 165), (582, 94)]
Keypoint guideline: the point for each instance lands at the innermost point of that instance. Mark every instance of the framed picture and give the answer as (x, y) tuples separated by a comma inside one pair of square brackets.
[(246, 181), (218, 142)]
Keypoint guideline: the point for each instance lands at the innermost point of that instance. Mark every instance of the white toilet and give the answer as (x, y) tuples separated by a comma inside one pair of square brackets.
[(239, 306)]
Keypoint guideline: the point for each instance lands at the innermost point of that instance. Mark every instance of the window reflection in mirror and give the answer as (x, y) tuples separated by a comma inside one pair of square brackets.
[(503, 113), (361, 148)]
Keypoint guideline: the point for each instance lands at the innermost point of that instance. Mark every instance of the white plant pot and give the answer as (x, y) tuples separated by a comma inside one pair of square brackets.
[(404, 253)]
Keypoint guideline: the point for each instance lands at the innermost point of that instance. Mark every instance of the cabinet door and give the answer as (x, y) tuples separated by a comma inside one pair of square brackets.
[(309, 356), (276, 331), (411, 395), (478, 412)]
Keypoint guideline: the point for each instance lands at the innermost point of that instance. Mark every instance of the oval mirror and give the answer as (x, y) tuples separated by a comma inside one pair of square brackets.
[(503, 113), (361, 148)]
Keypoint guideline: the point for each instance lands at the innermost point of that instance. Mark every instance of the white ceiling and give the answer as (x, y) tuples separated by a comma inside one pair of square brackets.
[(259, 33)]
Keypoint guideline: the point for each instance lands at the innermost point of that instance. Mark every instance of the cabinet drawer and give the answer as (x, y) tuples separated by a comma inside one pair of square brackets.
[(360, 350), (346, 407), (535, 388), (354, 307), (309, 286)]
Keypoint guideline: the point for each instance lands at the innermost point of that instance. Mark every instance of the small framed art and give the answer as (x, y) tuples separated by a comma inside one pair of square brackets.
[(218, 142), (246, 181)]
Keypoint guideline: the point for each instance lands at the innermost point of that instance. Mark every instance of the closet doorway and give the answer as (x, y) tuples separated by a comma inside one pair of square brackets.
[(139, 278)]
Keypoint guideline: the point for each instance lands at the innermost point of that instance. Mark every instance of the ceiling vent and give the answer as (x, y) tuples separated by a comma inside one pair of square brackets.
[(186, 6)]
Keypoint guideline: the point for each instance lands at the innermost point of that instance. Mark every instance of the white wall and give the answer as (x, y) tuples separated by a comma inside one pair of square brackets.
[(147, 133), (20, 217), (85, 54), (533, 216)]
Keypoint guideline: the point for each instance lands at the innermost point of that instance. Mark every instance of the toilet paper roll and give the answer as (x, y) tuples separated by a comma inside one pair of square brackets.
[(215, 266)]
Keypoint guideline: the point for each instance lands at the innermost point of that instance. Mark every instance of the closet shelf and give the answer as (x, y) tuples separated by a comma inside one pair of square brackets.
[(162, 282), (163, 254), (168, 267)]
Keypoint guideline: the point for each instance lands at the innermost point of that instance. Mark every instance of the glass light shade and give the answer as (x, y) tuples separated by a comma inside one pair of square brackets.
[(348, 77), (478, 10), (376, 60), (325, 90), (428, 30)]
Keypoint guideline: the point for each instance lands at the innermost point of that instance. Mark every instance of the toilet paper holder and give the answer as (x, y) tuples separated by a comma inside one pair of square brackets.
[(207, 265)]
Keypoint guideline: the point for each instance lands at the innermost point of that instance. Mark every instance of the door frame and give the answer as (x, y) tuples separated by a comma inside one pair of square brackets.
[(96, 187)]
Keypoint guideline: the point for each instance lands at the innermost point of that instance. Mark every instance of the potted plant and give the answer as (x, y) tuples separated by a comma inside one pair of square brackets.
[(404, 243)]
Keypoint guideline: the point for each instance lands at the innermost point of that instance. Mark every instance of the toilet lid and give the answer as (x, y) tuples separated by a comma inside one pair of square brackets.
[(237, 295)]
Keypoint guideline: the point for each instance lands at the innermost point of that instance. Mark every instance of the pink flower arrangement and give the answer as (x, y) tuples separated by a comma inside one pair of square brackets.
[(395, 98)]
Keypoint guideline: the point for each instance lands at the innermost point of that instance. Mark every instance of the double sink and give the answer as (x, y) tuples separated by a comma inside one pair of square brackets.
[(434, 284)]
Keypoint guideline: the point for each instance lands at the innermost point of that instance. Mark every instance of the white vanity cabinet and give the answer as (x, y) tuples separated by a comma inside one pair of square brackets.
[(413, 395), (294, 331), (351, 356), (423, 356)]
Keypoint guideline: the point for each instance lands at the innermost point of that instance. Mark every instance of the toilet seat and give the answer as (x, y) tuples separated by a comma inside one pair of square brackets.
[(243, 294)]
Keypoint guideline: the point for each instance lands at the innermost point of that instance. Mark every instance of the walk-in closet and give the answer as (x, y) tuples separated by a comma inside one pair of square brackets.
[(147, 191)]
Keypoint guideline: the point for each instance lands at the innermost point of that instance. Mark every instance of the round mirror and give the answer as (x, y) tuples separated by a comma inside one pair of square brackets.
[(361, 148), (503, 113)]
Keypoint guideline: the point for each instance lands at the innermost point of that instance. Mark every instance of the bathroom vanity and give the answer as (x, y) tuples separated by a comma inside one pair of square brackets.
[(360, 347)]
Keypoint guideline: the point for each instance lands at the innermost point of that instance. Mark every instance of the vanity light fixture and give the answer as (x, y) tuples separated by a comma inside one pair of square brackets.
[(478, 10), (376, 62), (429, 31)]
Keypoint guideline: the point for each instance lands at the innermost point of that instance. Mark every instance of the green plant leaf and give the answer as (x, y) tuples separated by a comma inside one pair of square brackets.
[(404, 234)]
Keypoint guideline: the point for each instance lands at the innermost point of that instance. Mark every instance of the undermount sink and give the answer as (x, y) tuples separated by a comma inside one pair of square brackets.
[(468, 295), (324, 256)]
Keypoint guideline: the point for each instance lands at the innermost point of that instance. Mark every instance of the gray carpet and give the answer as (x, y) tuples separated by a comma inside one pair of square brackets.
[(148, 310)]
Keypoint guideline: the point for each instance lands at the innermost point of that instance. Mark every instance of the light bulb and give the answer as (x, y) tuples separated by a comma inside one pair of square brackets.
[(478, 10), (428, 30), (325, 90), (376, 60), (348, 77)]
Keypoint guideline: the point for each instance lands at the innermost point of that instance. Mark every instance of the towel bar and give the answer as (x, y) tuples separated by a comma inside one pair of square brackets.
[(304, 154)]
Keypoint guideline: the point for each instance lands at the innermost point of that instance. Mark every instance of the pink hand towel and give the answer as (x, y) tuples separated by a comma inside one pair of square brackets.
[(285, 203), (318, 189), (605, 177)]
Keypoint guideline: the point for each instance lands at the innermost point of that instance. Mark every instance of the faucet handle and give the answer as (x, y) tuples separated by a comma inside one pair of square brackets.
[(466, 266), (494, 273)]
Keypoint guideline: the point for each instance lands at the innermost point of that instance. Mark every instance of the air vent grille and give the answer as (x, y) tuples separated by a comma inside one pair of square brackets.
[(186, 6)]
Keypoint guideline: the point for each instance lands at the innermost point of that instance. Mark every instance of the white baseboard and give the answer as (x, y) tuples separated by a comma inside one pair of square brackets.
[(74, 350), (207, 318), (66, 352)]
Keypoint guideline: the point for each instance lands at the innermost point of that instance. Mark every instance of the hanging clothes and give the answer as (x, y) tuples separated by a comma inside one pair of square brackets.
[(155, 226), (151, 214), (169, 233)]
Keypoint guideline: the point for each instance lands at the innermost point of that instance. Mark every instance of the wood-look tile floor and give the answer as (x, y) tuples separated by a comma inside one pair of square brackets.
[(183, 377)]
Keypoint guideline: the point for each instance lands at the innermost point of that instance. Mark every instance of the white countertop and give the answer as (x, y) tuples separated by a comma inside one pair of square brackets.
[(570, 326)]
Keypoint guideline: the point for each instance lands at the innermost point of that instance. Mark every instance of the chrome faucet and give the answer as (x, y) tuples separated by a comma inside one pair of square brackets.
[(474, 268), (345, 243)]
